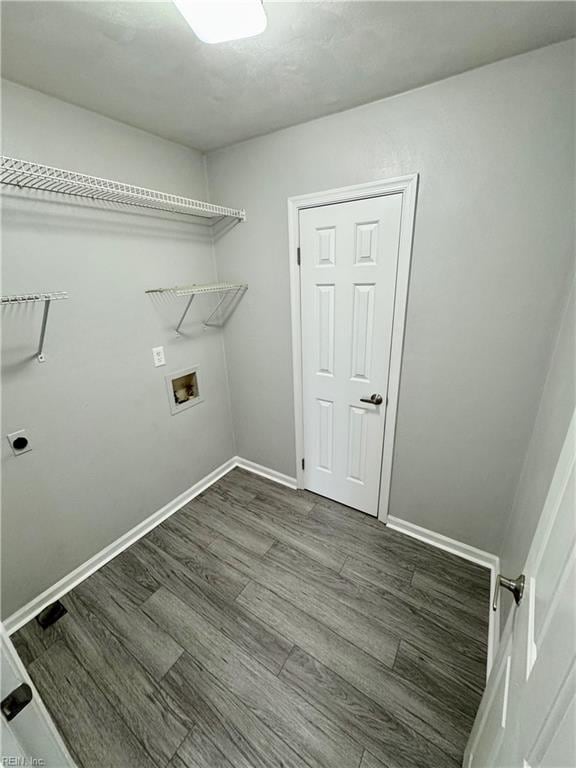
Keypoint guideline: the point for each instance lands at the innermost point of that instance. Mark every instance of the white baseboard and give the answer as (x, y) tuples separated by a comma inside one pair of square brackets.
[(271, 474), (56, 591), (438, 540), (75, 577), (474, 555)]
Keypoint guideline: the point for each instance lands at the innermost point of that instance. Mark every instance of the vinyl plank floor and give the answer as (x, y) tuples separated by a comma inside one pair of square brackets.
[(297, 502), (31, 641), (321, 741), (386, 546), (424, 628), (135, 696), (218, 515), (324, 604), (197, 560), (95, 735), (358, 715), (262, 642), (466, 617), (263, 516), (416, 709), (240, 734), (261, 627), (153, 647), (428, 674), (369, 761)]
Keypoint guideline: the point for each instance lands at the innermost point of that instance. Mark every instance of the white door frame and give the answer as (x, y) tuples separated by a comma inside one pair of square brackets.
[(407, 186), (41, 737)]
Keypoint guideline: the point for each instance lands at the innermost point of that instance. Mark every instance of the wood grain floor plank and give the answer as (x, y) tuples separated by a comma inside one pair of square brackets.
[(321, 535), (253, 636), (216, 513), (347, 622), (229, 581), (360, 716), (405, 704), (320, 741), (464, 592), (264, 516), (31, 640), (190, 527), (177, 762), (429, 674), (381, 542), (126, 574), (380, 572), (230, 487), (144, 639), (287, 499), (199, 751), (466, 655), (156, 719), (238, 732), (467, 620), (97, 737), (369, 761)]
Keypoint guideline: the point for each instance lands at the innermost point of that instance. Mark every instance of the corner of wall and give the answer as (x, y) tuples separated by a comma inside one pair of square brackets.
[(507, 538)]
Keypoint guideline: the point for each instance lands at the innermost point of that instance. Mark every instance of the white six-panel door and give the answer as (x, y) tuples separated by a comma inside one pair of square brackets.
[(527, 717), (349, 256)]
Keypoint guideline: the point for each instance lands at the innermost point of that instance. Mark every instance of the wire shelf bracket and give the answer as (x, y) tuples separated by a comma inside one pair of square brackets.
[(47, 298), (231, 293), (28, 175)]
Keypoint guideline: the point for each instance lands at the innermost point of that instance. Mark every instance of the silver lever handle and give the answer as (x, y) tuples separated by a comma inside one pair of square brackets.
[(516, 586), (373, 399)]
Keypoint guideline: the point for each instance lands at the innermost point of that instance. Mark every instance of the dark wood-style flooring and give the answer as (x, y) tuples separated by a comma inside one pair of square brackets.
[(260, 626)]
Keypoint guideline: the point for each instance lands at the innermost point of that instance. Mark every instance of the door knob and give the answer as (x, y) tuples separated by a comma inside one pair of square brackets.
[(373, 399), (516, 586)]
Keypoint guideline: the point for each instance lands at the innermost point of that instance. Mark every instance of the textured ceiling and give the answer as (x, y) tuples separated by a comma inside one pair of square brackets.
[(140, 63)]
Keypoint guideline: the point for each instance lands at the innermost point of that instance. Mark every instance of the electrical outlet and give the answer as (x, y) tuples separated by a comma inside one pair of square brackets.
[(158, 356), (19, 442)]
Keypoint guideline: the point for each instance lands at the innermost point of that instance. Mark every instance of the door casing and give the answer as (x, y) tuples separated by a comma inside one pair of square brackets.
[(407, 186)]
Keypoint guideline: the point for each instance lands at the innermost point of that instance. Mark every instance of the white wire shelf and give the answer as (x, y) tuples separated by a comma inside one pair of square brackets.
[(27, 297), (190, 290), (47, 297), (231, 295), (28, 175)]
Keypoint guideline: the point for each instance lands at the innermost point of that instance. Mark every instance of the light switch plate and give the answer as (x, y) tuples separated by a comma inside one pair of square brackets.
[(158, 356)]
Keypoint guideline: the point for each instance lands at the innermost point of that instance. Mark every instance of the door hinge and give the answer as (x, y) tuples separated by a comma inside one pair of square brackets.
[(303, 463), (298, 257)]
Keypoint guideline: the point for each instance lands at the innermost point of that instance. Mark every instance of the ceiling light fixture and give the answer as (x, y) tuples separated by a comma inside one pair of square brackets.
[(217, 21)]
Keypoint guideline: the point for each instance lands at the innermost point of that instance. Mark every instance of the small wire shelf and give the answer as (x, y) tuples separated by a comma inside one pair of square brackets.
[(231, 295), (47, 298), (28, 175), (24, 298)]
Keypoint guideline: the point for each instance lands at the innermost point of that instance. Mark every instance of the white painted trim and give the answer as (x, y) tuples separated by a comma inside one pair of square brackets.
[(406, 186), (474, 555), (39, 725), (78, 575), (271, 474)]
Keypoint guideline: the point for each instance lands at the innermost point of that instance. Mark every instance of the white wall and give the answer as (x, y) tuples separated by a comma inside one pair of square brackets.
[(494, 244), (106, 451), (550, 427)]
